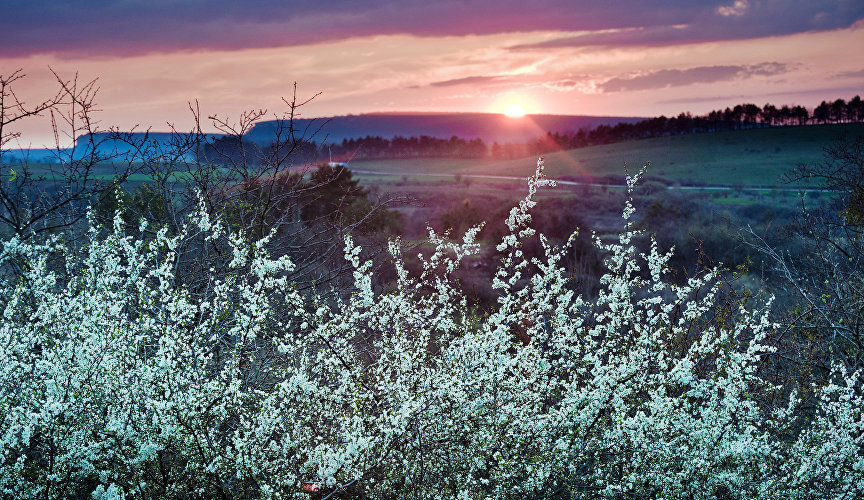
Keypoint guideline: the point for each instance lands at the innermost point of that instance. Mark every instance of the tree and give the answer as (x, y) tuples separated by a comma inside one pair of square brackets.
[(855, 109), (801, 114), (335, 196), (751, 112), (837, 111), (826, 275), (770, 114), (822, 113), (46, 198)]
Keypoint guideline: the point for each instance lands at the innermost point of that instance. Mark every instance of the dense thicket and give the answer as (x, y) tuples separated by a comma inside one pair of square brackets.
[(118, 380)]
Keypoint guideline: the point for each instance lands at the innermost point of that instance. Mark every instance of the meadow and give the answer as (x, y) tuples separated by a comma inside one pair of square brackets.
[(758, 157)]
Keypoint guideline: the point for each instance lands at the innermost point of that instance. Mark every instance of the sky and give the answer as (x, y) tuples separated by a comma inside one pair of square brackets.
[(151, 58)]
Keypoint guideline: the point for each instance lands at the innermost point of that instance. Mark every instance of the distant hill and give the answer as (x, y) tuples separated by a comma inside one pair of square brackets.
[(108, 146), (490, 127)]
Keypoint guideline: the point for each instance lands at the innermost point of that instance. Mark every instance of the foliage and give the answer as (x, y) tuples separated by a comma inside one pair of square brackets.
[(461, 218), (826, 273), (333, 194), (40, 199), (142, 202), (117, 380), (842, 172)]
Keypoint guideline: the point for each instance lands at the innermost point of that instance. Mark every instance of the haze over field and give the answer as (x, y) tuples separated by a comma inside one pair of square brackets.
[(555, 57)]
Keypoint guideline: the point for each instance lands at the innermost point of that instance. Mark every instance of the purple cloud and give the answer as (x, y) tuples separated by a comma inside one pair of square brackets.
[(682, 77), (850, 74), (121, 27), (738, 19)]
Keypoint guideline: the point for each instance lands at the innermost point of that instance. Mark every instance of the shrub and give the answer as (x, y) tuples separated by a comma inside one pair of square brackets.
[(118, 381)]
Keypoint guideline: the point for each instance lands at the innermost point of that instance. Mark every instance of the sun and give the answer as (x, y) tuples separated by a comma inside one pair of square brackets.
[(515, 111)]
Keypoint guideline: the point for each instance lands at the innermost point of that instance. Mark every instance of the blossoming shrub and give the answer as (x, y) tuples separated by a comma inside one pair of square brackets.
[(117, 380)]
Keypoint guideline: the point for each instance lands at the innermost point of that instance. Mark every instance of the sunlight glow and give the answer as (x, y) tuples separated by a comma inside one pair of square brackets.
[(514, 111)]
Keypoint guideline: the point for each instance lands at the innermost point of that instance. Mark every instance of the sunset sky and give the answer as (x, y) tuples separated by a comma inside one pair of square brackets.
[(626, 58)]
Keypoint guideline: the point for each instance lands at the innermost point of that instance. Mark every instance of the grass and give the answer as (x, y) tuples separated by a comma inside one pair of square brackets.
[(747, 158), (735, 200)]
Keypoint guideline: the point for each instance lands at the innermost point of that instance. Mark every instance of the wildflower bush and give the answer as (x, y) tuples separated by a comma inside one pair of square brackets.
[(117, 380)]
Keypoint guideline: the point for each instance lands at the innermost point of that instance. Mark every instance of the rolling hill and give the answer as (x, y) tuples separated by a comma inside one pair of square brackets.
[(490, 127)]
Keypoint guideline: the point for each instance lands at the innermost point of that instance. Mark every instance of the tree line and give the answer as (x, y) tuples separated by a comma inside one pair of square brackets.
[(738, 117)]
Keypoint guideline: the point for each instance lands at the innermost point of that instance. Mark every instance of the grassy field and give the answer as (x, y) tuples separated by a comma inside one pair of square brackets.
[(747, 158), (743, 158)]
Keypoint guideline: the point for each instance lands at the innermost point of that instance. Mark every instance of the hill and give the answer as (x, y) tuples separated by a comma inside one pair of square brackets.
[(490, 127)]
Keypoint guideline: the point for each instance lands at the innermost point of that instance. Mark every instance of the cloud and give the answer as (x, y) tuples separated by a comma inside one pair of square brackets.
[(469, 80), (850, 74), (96, 28), (737, 9), (739, 20), (654, 35), (586, 84), (559, 83), (765, 69), (683, 77)]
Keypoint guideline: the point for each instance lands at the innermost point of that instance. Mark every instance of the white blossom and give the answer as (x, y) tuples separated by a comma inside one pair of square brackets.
[(114, 374)]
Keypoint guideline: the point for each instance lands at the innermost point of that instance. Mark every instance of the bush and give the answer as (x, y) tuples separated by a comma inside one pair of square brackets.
[(118, 381)]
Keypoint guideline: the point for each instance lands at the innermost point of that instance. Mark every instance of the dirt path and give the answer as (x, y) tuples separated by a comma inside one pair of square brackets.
[(575, 183)]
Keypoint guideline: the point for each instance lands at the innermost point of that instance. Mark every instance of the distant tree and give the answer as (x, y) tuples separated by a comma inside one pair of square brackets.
[(737, 115), (822, 113), (580, 139), (801, 114), (751, 112), (855, 109), (770, 114), (837, 111), (784, 115), (333, 196)]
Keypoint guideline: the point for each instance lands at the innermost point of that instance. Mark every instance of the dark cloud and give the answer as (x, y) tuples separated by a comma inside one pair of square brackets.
[(681, 77), (738, 19), (116, 27)]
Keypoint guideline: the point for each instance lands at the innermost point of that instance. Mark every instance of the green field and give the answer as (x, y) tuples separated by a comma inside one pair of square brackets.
[(757, 157), (742, 158)]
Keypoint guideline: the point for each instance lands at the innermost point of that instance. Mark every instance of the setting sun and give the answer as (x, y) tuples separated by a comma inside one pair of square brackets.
[(514, 111)]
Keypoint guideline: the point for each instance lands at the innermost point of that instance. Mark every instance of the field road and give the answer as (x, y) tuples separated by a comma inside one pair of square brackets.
[(575, 183)]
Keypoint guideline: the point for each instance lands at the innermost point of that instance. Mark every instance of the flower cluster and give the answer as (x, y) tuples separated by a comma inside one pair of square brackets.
[(119, 379)]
